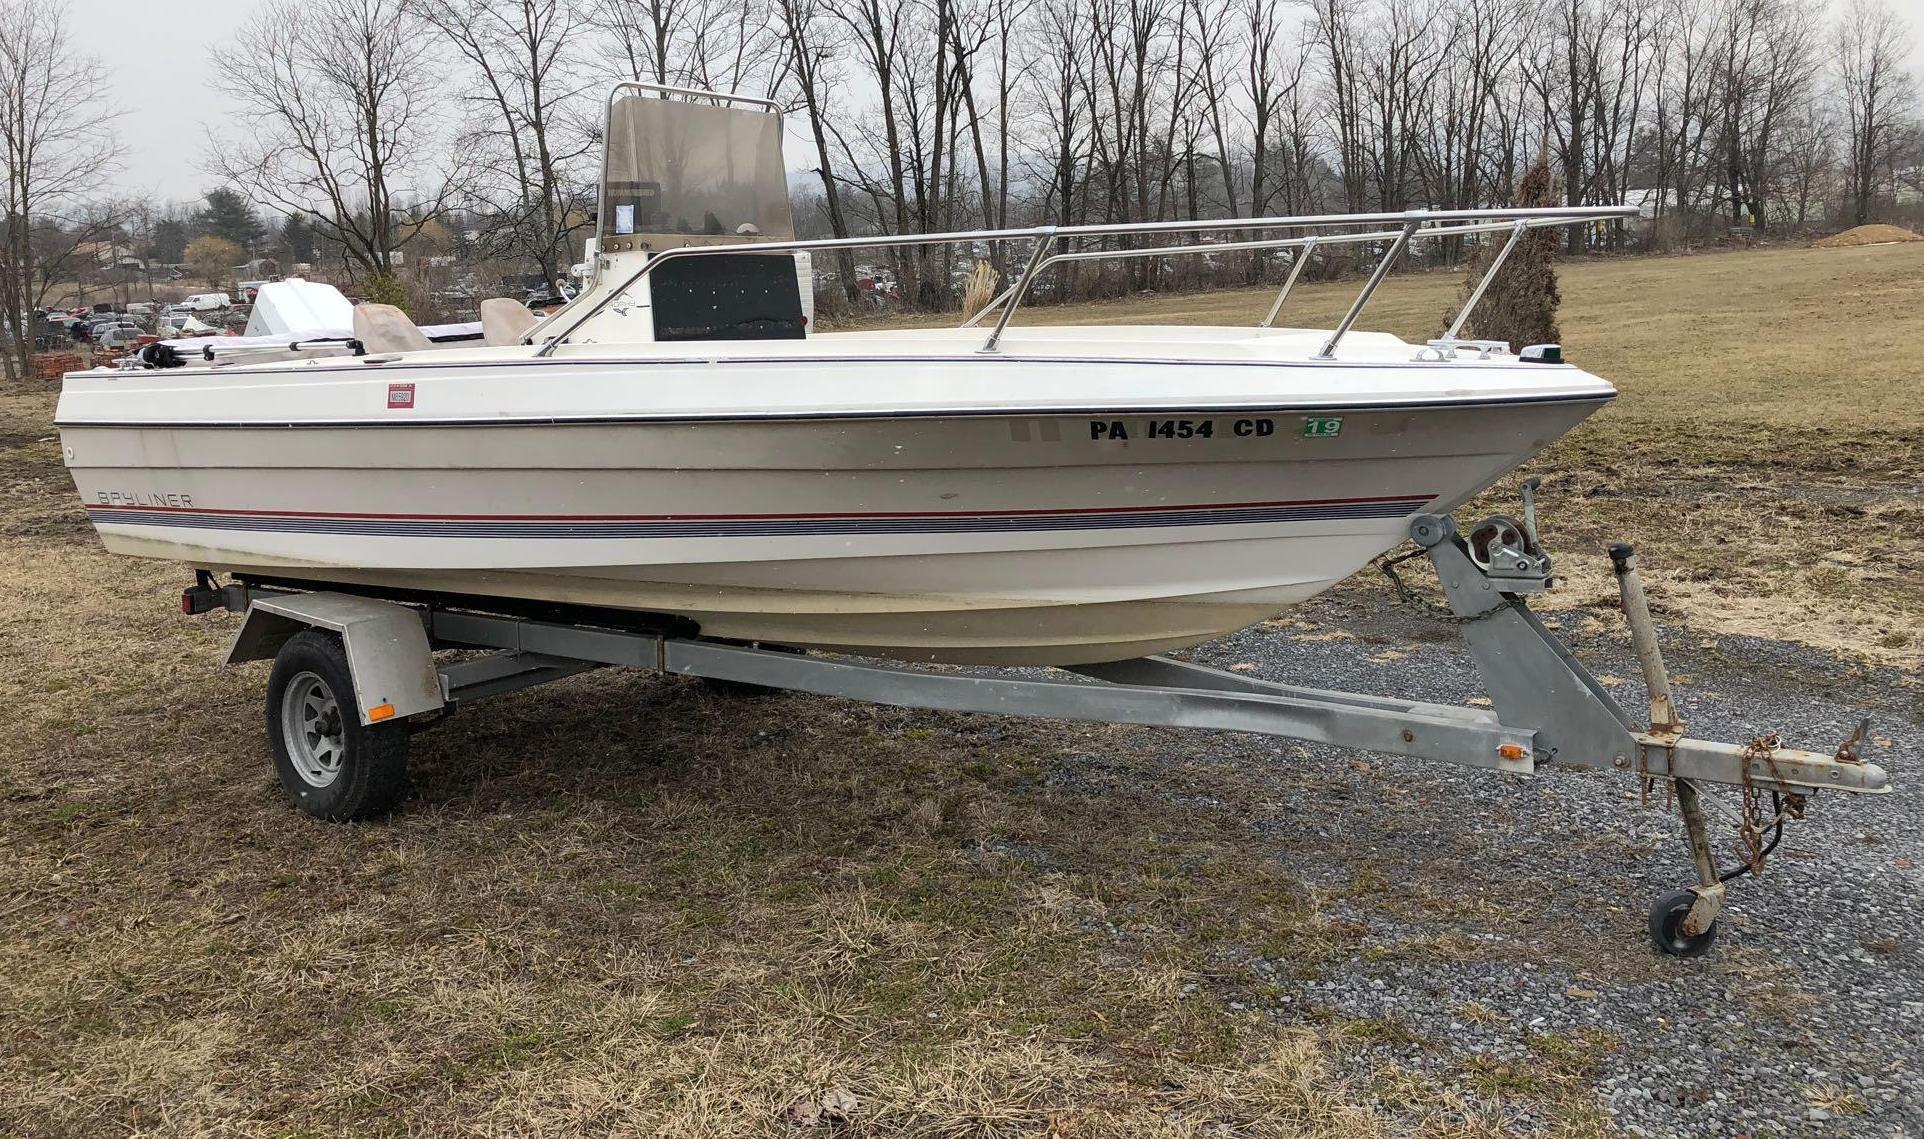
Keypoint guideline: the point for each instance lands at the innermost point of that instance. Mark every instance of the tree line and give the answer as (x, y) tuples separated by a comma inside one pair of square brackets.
[(367, 126)]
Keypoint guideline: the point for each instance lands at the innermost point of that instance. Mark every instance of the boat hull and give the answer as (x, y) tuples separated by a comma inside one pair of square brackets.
[(976, 538)]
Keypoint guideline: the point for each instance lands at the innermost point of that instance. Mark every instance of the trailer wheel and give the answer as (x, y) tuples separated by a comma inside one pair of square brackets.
[(1666, 926), (330, 765)]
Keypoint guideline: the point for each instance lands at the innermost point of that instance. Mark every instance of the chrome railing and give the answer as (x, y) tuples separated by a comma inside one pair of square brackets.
[(1411, 225)]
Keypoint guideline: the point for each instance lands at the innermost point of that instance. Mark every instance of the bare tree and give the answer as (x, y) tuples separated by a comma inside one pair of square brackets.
[(54, 153), (1809, 153), (1396, 81), (971, 33), (338, 101), (878, 32), (1215, 66), (935, 114), (715, 45), (1010, 17), (1875, 89), (75, 252), (1464, 103), (1766, 67), (525, 148), (1683, 70), (1272, 81), (1576, 76), (1334, 26), (811, 42), (1056, 80)]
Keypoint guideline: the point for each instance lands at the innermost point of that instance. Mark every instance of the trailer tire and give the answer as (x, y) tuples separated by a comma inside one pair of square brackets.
[(330, 765)]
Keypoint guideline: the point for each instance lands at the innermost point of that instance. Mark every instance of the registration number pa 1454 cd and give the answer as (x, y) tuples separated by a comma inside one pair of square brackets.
[(1313, 427)]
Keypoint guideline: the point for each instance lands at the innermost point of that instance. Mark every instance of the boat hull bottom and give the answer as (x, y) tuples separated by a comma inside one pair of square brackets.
[(937, 631)]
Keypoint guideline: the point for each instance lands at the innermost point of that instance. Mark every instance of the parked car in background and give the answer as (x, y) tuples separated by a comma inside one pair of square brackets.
[(117, 337), (204, 302)]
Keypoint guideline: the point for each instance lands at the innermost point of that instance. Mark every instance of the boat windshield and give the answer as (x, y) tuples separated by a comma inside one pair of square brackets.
[(682, 173)]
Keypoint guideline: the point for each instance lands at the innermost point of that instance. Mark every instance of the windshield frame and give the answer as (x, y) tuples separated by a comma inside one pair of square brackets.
[(775, 212)]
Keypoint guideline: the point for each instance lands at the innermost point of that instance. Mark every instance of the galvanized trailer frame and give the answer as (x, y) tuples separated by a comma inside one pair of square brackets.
[(1547, 708)]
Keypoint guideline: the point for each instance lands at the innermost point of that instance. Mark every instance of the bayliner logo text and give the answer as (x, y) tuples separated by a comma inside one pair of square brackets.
[(400, 395), (137, 498)]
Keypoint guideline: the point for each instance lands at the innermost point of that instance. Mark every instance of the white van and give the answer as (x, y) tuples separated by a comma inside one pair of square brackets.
[(204, 302)]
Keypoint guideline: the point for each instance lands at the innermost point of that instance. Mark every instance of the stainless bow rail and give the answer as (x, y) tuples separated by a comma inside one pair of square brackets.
[(1409, 226)]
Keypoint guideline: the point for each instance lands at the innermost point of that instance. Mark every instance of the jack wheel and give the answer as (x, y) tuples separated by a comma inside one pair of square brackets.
[(1667, 922)]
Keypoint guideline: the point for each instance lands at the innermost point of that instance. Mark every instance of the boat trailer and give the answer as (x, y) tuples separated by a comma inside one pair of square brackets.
[(335, 650)]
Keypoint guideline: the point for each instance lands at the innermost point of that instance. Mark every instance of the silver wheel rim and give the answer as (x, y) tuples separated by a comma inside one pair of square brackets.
[(312, 729)]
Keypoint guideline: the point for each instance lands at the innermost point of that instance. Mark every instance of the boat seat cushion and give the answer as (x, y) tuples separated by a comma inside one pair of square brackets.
[(505, 321), (384, 328)]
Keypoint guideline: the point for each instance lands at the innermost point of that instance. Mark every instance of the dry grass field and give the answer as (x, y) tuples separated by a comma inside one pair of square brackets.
[(627, 905)]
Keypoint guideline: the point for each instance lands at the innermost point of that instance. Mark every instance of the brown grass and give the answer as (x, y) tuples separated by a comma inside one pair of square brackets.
[(625, 905), (980, 287)]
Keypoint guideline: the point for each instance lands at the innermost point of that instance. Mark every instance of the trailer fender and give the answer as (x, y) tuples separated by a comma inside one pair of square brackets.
[(387, 647)]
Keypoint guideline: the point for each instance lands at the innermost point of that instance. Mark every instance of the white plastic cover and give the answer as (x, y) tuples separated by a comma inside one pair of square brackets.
[(295, 306)]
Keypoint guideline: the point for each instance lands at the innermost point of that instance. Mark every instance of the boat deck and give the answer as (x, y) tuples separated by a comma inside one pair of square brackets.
[(913, 372)]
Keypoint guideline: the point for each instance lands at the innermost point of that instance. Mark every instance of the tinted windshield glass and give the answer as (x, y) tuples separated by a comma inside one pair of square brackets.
[(688, 173)]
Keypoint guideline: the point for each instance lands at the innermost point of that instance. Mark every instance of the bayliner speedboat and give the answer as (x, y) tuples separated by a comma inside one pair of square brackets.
[(679, 442)]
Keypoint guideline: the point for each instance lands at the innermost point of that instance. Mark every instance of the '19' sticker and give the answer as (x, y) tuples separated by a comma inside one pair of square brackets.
[(400, 395)]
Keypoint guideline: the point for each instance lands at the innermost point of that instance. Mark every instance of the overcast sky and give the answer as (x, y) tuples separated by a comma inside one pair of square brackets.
[(160, 55)]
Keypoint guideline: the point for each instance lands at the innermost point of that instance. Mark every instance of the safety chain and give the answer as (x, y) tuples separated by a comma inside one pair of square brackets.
[(1407, 596), (1755, 820)]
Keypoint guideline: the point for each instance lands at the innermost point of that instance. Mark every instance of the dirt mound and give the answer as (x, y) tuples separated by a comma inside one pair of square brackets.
[(1867, 235)]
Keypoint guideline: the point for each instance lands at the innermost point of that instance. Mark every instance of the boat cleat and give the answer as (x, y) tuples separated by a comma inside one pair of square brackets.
[(1446, 348)]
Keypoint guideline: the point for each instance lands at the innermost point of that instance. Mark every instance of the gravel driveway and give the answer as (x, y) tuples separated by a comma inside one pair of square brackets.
[(1506, 917)]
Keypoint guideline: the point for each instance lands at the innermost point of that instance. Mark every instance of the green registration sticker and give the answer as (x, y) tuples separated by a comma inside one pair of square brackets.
[(1322, 426)]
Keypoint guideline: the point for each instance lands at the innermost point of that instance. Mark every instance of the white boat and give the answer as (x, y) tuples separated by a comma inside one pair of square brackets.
[(674, 442)]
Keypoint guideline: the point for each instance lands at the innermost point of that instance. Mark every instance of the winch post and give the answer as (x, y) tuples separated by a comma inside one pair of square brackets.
[(1643, 638)]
